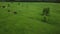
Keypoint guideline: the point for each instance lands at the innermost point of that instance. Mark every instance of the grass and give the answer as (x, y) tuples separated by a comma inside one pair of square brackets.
[(28, 19)]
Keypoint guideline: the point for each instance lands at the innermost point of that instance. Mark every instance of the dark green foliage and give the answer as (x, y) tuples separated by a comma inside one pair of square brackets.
[(3, 6), (15, 12), (44, 19), (18, 3), (46, 11), (8, 5), (9, 11)]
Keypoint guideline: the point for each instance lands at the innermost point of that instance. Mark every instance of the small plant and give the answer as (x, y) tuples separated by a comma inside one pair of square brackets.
[(3, 6), (8, 10), (45, 14), (8, 5), (15, 12)]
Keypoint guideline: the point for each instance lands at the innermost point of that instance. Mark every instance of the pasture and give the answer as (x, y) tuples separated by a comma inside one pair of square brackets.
[(26, 18)]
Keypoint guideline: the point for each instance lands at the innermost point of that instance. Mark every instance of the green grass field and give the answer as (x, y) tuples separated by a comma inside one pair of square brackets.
[(28, 18)]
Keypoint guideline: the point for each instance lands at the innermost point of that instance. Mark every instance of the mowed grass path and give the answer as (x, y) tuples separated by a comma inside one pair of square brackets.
[(28, 18)]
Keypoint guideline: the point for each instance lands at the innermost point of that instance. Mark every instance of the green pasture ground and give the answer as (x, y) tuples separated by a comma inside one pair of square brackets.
[(28, 19)]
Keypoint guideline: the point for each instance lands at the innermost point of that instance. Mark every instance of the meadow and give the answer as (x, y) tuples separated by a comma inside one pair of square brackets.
[(28, 19)]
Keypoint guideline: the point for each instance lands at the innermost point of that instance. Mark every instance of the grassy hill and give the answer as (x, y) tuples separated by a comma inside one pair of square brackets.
[(28, 19)]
